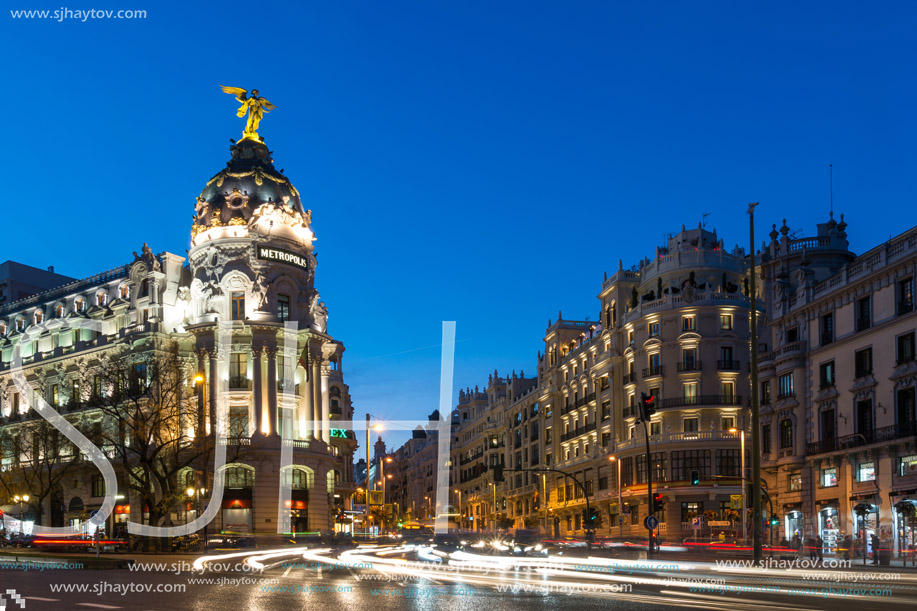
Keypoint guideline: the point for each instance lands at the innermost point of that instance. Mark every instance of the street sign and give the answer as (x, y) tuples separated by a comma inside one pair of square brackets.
[(719, 523), (651, 522), (735, 501), (375, 497), (696, 522)]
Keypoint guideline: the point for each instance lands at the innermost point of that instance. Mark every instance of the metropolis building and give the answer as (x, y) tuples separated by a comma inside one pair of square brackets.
[(243, 315)]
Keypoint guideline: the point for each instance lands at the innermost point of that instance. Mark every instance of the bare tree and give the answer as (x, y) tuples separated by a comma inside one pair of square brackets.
[(150, 426), (36, 459)]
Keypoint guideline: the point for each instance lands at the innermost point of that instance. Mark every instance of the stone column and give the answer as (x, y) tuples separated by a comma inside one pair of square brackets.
[(272, 388), (317, 398), (199, 391), (305, 407), (326, 408), (256, 390), (212, 391)]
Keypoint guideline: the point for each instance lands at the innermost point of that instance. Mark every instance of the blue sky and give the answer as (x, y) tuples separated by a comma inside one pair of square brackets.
[(472, 161)]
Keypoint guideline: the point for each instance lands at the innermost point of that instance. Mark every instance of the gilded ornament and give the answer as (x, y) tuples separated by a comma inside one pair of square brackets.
[(236, 221)]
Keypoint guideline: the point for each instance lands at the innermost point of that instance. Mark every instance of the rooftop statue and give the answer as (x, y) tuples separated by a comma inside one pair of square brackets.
[(254, 105)]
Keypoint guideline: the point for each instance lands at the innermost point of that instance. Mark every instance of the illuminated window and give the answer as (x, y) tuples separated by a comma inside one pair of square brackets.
[(728, 422), (786, 433), (101, 298), (866, 472), (794, 482), (688, 323), (283, 308), (726, 322), (238, 305), (2, 328), (20, 324), (907, 465), (829, 477), (690, 425), (653, 330), (38, 317), (125, 291), (59, 311), (79, 304), (55, 394)]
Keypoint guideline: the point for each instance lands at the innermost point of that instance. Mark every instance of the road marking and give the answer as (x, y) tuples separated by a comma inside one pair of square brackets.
[(97, 606), (287, 572), (320, 574)]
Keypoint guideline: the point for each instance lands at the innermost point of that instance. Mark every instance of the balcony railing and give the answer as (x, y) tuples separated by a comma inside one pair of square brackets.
[(786, 394), (905, 307), (728, 365), (701, 400), (887, 433), (577, 432), (637, 442), (630, 411), (690, 366), (652, 371), (862, 372), (629, 378), (238, 383)]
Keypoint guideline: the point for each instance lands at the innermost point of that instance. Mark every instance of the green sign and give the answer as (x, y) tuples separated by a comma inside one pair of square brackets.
[(339, 433)]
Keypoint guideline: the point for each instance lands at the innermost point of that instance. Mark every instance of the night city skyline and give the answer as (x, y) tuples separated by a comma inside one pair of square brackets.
[(252, 226)]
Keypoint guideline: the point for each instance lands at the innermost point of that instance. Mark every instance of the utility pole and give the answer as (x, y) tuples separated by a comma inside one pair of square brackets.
[(647, 409), (755, 424)]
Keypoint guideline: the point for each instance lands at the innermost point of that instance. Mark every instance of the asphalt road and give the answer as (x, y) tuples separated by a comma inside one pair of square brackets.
[(396, 582)]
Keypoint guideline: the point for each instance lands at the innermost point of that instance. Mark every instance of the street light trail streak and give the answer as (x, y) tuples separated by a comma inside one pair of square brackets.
[(443, 430)]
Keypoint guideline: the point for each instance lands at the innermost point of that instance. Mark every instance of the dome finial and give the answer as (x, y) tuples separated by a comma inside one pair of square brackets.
[(252, 104)]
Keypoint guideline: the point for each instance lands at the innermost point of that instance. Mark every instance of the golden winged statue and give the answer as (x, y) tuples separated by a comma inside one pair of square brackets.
[(254, 105)]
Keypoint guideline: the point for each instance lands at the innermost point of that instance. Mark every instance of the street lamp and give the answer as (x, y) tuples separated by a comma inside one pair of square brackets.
[(382, 462), (21, 499), (495, 505), (734, 430), (620, 502)]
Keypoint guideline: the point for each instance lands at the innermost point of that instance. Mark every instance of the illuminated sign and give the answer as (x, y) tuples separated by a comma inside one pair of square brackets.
[(339, 433), (267, 253)]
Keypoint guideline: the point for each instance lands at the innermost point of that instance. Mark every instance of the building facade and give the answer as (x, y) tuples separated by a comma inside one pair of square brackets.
[(838, 378), (243, 323)]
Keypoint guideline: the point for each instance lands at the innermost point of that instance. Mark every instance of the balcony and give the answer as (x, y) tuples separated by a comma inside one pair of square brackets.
[(629, 378), (728, 365), (862, 372), (639, 441), (239, 383), (630, 411), (905, 307), (701, 400), (577, 432), (786, 395), (649, 372), (286, 386), (887, 433), (690, 366)]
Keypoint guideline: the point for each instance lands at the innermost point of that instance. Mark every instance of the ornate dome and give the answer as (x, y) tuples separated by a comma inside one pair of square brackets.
[(248, 190)]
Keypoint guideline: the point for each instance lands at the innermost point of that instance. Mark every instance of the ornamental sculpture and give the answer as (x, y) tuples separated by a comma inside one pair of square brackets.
[(252, 104)]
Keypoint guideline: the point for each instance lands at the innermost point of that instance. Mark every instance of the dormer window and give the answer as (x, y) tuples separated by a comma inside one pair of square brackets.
[(79, 304), (125, 291), (2, 328), (38, 316), (59, 311), (101, 298), (20, 324)]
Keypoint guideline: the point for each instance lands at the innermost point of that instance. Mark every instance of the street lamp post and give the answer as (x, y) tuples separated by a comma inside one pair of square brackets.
[(620, 501), (744, 503), (461, 515), (755, 422), (495, 505), (21, 499)]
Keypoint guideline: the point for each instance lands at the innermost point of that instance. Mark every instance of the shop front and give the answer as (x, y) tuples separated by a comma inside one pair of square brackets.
[(793, 523), (829, 526), (865, 514), (905, 531)]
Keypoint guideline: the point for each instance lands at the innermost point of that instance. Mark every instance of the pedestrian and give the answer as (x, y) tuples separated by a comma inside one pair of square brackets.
[(874, 541), (848, 543), (819, 548)]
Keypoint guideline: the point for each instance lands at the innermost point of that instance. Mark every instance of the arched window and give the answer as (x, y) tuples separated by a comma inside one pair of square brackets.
[(38, 317), (101, 298), (297, 478), (79, 304), (238, 477), (20, 324), (125, 291), (59, 311), (786, 433), (2, 328)]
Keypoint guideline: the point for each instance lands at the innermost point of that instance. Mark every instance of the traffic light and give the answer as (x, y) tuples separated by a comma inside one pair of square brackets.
[(498, 473), (647, 406), (773, 521), (592, 516), (658, 504), (695, 477)]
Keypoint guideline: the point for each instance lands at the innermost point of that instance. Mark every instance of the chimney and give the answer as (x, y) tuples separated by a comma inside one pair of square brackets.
[(51, 268)]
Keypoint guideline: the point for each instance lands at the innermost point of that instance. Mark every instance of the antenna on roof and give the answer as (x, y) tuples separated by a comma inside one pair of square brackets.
[(704, 221), (831, 186)]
